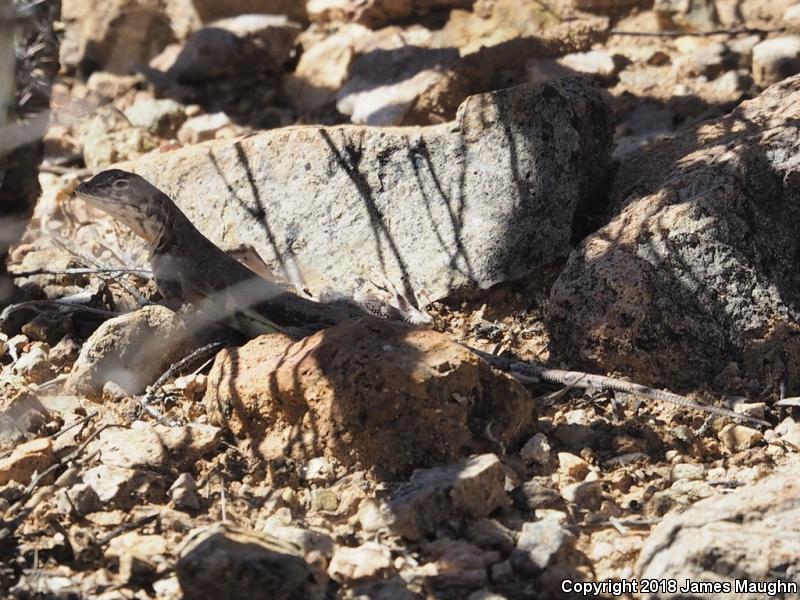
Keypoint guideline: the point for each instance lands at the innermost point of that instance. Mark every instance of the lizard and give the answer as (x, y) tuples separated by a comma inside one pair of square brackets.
[(188, 267)]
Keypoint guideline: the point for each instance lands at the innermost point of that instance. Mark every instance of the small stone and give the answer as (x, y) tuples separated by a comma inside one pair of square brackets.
[(370, 516), (159, 117), (502, 571), (792, 15), (586, 494), (83, 499), (215, 560), (113, 393), (139, 555), (536, 450), (683, 15), (595, 63), (35, 365), (65, 352), (129, 448), (687, 471), (368, 561), (534, 495), (131, 350), (192, 386), (539, 545), (574, 468), (242, 45), (202, 128), (184, 492), (116, 483), (473, 487), (751, 409), (489, 533), (190, 442), (711, 60), (776, 59), (318, 470), (324, 499), (307, 541), (789, 432), (26, 460), (738, 437), (732, 82)]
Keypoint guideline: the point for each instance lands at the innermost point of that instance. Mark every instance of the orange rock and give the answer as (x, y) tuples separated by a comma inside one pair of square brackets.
[(369, 393)]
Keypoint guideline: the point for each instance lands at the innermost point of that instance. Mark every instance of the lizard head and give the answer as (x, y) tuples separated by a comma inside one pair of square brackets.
[(128, 198)]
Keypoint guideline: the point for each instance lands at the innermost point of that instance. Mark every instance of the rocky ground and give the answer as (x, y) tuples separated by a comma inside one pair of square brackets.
[(600, 185)]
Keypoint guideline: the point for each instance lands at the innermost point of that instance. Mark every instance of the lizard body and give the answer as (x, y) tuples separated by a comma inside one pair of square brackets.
[(188, 267)]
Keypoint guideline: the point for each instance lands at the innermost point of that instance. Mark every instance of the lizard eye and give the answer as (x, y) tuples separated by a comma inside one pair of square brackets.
[(120, 184)]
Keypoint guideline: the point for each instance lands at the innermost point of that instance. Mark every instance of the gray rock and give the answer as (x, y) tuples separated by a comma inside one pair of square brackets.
[(119, 485), (131, 350), (183, 492), (242, 45), (776, 59), (228, 563), (212, 10), (129, 448), (539, 545), (751, 534), (470, 488), (472, 203), (694, 271), (159, 117)]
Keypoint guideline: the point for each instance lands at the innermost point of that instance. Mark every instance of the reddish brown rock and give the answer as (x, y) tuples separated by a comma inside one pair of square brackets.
[(372, 393)]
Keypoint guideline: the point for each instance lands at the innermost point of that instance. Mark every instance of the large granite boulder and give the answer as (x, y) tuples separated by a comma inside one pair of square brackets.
[(696, 275), (489, 197)]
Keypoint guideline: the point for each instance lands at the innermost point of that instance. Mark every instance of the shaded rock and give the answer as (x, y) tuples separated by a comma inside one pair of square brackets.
[(686, 15), (131, 350), (228, 563), (533, 495), (471, 488), (323, 69), (437, 208), (752, 534), (368, 561), (183, 492), (113, 36), (120, 485), (83, 499), (159, 117), (384, 85), (536, 450), (35, 364), (26, 460), (138, 555), (212, 10), (609, 7), (776, 59), (692, 272), (376, 13), (243, 45), (373, 393), (539, 546)]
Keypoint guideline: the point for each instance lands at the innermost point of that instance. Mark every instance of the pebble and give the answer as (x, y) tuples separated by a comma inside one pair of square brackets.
[(738, 437)]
